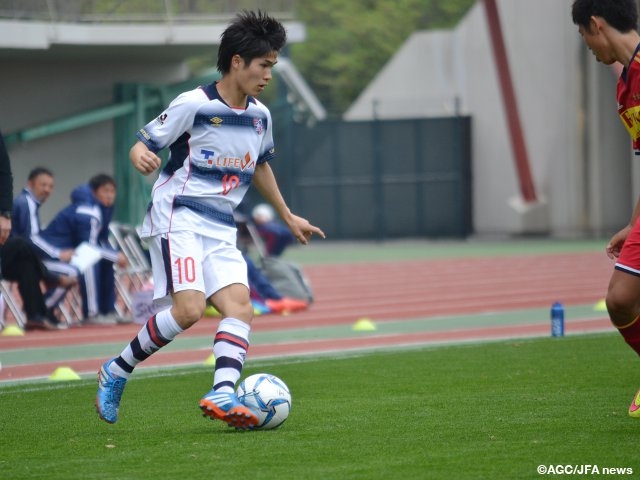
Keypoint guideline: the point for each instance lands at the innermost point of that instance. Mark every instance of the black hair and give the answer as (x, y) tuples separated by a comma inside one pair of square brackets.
[(100, 180), (250, 35), (37, 171), (620, 14)]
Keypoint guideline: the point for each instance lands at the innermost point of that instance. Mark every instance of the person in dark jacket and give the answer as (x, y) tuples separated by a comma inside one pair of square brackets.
[(263, 293), (26, 224), (275, 234), (86, 221), (18, 261), (6, 192)]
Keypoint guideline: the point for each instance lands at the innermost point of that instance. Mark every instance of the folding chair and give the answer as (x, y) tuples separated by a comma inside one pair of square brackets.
[(248, 236), (14, 305), (138, 274), (70, 307)]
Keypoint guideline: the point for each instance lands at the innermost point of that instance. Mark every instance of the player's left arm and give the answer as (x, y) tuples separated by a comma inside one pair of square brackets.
[(265, 181)]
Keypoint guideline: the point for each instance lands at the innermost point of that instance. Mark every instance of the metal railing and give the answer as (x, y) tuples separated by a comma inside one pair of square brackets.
[(139, 11)]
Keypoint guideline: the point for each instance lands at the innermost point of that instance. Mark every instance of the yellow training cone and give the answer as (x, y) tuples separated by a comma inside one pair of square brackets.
[(12, 331), (64, 374), (601, 306), (211, 360), (364, 325)]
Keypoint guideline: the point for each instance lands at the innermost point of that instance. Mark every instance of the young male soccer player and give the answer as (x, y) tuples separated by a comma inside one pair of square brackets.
[(608, 28), (220, 139)]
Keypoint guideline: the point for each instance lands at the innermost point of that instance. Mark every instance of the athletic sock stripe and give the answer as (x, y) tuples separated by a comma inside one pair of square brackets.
[(232, 339), (138, 353), (228, 362), (154, 333), (123, 365), (218, 386)]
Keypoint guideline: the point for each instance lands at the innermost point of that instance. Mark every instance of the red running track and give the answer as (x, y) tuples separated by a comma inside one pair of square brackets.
[(383, 291)]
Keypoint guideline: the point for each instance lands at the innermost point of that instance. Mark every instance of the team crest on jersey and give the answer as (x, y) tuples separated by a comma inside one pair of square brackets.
[(258, 125), (216, 121), (161, 119)]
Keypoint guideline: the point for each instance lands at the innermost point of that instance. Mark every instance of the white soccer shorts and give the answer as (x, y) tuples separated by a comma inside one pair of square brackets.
[(188, 261)]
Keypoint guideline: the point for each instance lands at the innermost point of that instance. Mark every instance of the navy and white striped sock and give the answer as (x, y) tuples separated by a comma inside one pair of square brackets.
[(230, 349), (156, 333)]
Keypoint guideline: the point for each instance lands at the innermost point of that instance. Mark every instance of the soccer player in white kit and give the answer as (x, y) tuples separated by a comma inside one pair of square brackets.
[(220, 140)]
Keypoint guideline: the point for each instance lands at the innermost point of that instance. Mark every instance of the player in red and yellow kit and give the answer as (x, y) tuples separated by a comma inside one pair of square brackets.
[(609, 29)]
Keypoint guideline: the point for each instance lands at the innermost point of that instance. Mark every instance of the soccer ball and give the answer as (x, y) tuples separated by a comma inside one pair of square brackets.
[(268, 396)]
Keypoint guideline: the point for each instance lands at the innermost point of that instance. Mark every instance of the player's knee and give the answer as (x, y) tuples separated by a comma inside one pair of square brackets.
[(188, 314), (622, 306), (242, 311), (247, 312)]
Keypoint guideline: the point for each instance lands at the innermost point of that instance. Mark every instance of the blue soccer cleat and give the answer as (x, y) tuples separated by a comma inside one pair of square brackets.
[(110, 389), (226, 407)]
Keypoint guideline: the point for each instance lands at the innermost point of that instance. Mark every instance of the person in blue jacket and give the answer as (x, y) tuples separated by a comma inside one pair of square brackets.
[(26, 224), (87, 220), (275, 234), (265, 296), (18, 261)]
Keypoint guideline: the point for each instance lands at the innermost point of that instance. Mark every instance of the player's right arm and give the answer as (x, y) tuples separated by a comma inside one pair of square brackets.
[(143, 159), (165, 129)]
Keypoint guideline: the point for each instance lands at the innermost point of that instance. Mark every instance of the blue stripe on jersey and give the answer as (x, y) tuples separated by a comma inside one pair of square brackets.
[(179, 151), (144, 137), (267, 156), (219, 173), (211, 91), (180, 201), (166, 260), (215, 120)]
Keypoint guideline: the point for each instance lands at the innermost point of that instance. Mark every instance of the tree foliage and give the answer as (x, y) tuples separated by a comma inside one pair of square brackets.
[(349, 42)]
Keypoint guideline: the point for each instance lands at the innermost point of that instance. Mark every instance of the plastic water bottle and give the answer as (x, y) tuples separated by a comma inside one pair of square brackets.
[(557, 320)]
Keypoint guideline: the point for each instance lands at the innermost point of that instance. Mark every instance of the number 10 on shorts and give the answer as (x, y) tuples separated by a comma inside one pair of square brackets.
[(186, 268)]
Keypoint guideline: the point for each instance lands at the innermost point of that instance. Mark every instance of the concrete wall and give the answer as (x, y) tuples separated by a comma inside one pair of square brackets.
[(578, 150), (35, 92), (51, 70)]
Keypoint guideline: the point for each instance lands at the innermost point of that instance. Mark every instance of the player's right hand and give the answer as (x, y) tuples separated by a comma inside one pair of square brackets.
[(143, 159), (615, 244), (147, 163)]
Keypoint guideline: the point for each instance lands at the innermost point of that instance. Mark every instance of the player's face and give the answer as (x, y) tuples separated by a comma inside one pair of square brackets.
[(106, 195), (596, 41), (255, 76), (41, 187)]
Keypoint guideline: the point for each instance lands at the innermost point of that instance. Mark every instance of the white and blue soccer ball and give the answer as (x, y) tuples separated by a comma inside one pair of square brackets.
[(268, 396)]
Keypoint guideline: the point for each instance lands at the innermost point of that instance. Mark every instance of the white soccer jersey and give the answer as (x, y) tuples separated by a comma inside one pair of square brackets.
[(214, 150)]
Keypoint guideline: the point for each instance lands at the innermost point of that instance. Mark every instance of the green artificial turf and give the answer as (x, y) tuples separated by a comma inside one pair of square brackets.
[(476, 411)]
